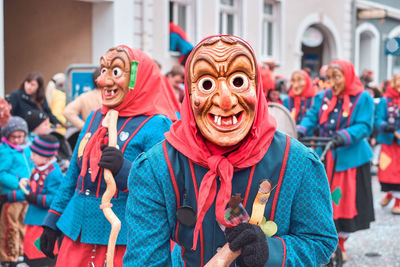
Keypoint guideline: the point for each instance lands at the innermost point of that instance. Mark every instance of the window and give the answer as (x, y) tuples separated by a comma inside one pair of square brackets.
[(230, 17), (182, 13), (270, 29)]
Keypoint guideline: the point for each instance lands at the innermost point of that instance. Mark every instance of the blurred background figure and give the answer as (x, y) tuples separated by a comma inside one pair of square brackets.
[(178, 41), (77, 111), (176, 78), (56, 98), (31, 96), (367, 77), (5, 109)]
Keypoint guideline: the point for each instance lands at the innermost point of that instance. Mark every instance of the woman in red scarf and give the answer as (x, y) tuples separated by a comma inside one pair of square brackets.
[(387, 121), (345, 113), (301, 94), (131, 84), (215, 157)]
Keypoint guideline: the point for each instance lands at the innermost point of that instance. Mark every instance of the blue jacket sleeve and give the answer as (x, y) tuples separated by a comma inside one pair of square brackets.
[(312, 237), (381, 115), (16, 196), (52, 181), (311, 119), (150, 214), (361, 121), (67, 187)]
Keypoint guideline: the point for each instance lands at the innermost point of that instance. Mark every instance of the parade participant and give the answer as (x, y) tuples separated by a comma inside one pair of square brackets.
[(226, 144), (5, 109), (131, 84), (301, 94), (345, 113), (29, 96), (15, 169), (387, 121), (40, 192)]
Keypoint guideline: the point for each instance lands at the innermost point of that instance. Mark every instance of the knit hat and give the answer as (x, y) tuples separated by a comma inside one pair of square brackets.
[(34, 118), (45, 145), (14, 124)]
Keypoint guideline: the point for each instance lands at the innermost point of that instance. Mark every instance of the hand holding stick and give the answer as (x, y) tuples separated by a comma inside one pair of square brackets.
[(110, 121)]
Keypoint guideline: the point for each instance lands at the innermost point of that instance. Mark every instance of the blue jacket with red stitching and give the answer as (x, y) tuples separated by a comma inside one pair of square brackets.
[(163, 180), (76, 209), (43, 183), (353, 129)]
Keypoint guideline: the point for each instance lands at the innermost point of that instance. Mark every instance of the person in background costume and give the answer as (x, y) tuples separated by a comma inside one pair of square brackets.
[(131, 83), (30, 96), (345, 113), (15, 169), (41, 190), (301, 94), (387, 121), (225, 144)]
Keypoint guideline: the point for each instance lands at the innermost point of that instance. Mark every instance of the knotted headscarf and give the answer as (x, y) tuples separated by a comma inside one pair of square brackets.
[(353, 86), (308, 91), (185, 137), (148, 95)]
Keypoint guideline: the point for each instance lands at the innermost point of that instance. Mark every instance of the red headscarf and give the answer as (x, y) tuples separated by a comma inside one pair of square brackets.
[(187, 139), (392, 93), (148, 95), (309, 91), (353, 86), (268, 79)]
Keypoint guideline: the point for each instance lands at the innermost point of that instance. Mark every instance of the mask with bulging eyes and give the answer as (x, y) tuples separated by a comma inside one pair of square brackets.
[(114, 77), (223, 96)]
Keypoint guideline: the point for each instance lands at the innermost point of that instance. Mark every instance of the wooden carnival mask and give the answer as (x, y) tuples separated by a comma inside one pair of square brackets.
[(223, 97), (297, 83), (336, 79), (114, 79)]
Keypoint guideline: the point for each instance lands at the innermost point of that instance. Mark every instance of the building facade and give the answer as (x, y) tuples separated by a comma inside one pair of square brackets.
[(376, 47), (51, 35)]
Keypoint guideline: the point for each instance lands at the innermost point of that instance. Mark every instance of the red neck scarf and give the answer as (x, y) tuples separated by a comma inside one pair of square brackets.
[(250, 151), (308, 91), (150, 95), (392, 93), (353, 86)]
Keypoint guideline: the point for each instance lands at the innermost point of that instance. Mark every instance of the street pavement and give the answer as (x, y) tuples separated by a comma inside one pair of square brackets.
[(379, 245)]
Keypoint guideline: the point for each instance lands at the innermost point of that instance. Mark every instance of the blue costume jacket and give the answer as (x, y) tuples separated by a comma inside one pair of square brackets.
[(300, 206), (386, 113), (45, 189), (305, 104), (353, 129), (75, 210), (14, 165)]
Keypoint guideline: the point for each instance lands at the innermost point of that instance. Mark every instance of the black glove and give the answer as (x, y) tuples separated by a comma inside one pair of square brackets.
[(111, 159), (3, 198), (31, 198), (48, 240), (300, 135), (337, 141), (389, 128), (252, 240)]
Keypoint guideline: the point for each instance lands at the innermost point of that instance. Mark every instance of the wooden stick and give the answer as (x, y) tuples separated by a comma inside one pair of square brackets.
[(224, 257), (110, 121)]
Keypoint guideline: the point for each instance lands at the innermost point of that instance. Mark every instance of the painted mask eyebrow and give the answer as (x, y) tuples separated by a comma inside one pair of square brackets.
[(200, 71), (236, 59), (120, 58)]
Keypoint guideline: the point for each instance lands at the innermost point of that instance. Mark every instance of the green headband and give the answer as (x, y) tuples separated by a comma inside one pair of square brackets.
[(134, 67)]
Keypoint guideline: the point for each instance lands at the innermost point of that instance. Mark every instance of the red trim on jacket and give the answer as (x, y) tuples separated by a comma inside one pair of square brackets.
[(352, 109), (55, 212), (246, 195), (175, 185), (284, 250), (135, 132), (278, 188)]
